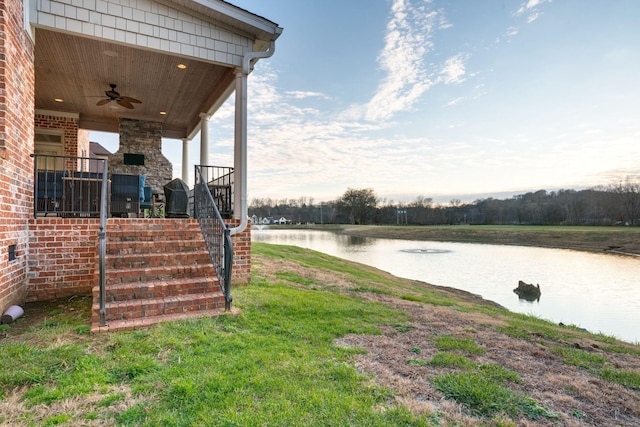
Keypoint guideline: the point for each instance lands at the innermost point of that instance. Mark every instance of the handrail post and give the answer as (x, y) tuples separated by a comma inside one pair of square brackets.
[(228, 262), (35, 185), (103, 243)]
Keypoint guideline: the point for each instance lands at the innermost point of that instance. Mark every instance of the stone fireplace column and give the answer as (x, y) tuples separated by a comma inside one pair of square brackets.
[(140, 153)]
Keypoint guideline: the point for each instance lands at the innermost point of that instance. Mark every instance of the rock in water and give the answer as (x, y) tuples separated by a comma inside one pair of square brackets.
[(528, 291)]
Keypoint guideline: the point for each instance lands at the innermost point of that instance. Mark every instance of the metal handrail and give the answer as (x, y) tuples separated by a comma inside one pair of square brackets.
[(102, 235), (216, 233), (68, 186)]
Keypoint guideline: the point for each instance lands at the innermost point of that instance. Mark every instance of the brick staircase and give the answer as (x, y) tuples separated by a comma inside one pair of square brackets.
[(156, 270)]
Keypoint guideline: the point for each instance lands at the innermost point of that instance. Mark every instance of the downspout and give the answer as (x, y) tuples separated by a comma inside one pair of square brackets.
[(240, 141)]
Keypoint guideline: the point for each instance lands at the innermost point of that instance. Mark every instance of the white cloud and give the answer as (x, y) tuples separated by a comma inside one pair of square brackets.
[(408, 39), (531, 9), (453, 71), (298, 94)]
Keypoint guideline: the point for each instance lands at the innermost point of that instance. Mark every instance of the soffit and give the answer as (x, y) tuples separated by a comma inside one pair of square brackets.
[(78, 70)]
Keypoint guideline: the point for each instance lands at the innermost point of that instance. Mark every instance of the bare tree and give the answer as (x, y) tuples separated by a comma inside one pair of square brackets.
[(628, 193), (358, 205)]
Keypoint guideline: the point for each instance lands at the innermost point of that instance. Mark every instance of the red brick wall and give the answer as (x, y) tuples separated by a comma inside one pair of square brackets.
[(72, 146), (16, 143), (241, 269), (63, 257)]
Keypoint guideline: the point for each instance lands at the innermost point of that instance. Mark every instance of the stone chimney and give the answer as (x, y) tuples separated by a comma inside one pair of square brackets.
[(140, 153)]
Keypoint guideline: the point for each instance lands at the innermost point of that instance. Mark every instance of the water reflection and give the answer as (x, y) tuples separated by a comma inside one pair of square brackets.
[(425, 251), (598, 292)]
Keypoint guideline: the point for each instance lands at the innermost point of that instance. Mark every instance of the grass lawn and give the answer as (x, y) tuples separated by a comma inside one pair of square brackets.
[(317, 341)]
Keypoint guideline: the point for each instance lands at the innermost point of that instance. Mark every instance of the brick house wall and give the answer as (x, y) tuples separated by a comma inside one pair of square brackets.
[(63, 257), (16, 143), (76, 140)]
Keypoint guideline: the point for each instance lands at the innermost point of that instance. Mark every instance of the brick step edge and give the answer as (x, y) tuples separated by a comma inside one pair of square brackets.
[(141, 291), (115, 277), (153, 237), (146, 322), (161, 306), (155, 246), (156, 259)]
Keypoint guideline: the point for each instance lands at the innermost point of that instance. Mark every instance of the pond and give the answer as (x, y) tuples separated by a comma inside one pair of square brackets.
[(597, 292)]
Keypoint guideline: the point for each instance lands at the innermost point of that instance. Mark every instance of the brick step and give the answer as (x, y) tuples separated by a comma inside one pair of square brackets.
[(150, 224), (156, 270), (153, 236), (159, 289), (149, 247), (143, 308), (145, 322), (140, 275), (140, 259)]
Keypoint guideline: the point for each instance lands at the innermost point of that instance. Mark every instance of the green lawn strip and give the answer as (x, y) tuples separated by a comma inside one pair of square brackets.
[(484, 388), (449, 342), (598, 364), (526, 326), (292, 277), (488, 398)]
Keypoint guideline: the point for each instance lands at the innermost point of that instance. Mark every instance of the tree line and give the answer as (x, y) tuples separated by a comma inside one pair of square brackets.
[(615, 204)]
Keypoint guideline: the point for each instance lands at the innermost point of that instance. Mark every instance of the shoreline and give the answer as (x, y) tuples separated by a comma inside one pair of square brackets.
[(619, 241)]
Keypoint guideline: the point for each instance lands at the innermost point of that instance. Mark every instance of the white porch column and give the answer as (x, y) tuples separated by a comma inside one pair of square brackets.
[(204, 144), (185, 160), (240, 147)]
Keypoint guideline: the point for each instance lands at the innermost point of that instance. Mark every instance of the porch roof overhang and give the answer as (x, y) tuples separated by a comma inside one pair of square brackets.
[(77, 63)]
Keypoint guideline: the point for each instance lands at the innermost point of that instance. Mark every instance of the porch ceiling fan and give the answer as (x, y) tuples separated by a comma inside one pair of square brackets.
[(113, 95)]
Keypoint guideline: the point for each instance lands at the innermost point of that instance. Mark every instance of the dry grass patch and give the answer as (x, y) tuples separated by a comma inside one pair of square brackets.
[(93, 409)]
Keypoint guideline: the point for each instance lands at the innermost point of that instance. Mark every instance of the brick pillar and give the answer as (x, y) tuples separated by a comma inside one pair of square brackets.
[(241, 269)]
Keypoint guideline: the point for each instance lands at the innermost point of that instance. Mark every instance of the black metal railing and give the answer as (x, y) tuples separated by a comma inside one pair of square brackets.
[(220, 180), (79, 187), (69, 186), (216, 233)]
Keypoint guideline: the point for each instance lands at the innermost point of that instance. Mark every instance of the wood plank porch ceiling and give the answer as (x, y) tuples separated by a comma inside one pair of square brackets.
[(78, 70)]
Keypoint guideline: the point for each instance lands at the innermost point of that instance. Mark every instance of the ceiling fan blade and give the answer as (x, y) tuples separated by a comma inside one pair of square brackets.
[(112, 94), (103, 102), (132, 100), (124, 103)]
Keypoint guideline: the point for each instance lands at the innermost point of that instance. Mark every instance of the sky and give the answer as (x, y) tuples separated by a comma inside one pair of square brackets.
[(455, 99)]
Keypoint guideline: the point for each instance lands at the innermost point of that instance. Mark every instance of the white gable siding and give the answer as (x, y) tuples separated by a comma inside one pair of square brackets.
[(146, 24)]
